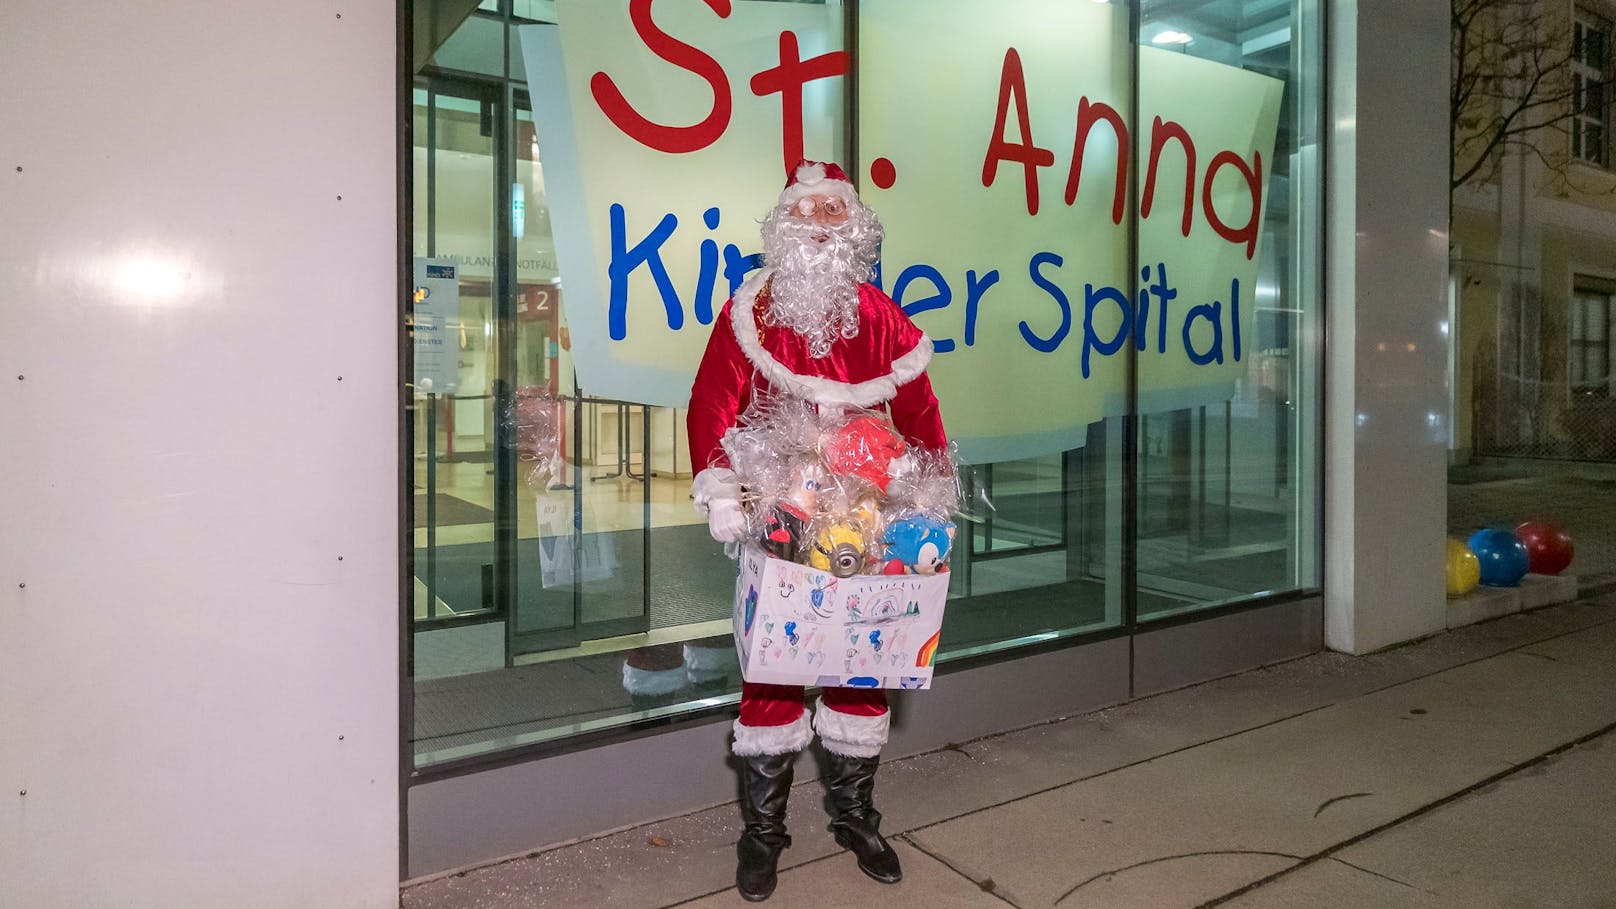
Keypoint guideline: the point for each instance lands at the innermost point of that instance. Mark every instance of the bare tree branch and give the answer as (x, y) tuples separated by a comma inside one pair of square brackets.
[(1513, 86)]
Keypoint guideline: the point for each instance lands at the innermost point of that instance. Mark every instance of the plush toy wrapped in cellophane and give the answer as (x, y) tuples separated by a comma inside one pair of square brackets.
[(772, 454), (533, 418), (842, 491), (919, 530)]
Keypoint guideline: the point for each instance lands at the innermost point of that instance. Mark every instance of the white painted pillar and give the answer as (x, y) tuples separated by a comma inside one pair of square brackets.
[(1386, 285), (199, 469)]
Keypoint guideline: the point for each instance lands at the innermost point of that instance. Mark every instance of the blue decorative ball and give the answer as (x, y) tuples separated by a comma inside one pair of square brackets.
[(1504, 558)]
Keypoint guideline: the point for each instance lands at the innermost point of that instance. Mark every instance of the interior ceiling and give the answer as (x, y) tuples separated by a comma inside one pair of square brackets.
[(1256, 32), (1222, 19), (1253, 33), (434, 22)]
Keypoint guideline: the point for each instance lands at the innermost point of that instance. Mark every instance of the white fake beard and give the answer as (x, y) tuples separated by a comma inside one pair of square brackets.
[(815, 287)]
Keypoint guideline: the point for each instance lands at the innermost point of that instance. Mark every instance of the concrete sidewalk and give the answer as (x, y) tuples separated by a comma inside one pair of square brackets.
[(1476, 768)]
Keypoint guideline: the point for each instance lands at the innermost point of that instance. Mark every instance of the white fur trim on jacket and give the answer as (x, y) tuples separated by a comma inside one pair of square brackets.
[(811, 181), (712, 485), (753, 741), (818, 389), (853, 736)]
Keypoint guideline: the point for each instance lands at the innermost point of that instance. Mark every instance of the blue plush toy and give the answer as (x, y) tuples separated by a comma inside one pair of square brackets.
[(917, 544)]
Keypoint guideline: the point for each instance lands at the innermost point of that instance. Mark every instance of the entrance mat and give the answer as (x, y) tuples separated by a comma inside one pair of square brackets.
[(451, 510)]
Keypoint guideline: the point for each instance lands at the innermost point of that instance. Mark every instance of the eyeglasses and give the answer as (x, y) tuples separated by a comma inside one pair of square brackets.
[(830, 208)]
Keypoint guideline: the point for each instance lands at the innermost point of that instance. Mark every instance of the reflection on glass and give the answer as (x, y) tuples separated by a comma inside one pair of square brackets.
[(1228, 491), (589, 595), (453, 202), (1044, 556), (580, 596)]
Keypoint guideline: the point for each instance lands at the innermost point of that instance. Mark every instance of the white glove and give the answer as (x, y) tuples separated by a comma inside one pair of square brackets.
[(717, 498), (726, 521)]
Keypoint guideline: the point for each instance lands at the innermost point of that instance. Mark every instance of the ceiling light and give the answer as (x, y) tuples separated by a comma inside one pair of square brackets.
[(1171, 37)]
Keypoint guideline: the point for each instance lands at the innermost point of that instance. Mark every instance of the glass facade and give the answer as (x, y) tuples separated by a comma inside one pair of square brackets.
[(1228, 491), (550, 604)]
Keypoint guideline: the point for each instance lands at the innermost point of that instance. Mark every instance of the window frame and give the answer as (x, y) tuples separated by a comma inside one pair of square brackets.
[(1586, 75), (1590, 293), (715, 709)]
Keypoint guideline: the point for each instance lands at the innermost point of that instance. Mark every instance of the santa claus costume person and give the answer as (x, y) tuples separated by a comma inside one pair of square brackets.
[(808, 325)]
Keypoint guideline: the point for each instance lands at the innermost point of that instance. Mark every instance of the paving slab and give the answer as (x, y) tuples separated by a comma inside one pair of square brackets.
[(1540, 837), (991, 770), (1543, 837), (1331, 882), (1590, 649), (667, 861), (836, 882), (1185, 880), (1482, 604), (1540, 590), (1575, 496), (1297, 787), (650, 865)]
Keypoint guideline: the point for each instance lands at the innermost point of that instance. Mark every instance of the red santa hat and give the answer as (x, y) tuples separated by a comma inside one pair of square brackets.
[(811, 178)]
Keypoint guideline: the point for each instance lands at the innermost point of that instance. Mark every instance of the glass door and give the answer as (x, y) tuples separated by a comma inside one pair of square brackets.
[(580, 510), (495, 537), (454, 326)]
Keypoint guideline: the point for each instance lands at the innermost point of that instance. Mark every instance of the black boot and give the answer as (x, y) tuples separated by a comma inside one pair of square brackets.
[(765, 786), (856, 823)]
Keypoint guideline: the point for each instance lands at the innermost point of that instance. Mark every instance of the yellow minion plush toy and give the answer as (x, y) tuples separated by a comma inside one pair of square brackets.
[(839, 549)]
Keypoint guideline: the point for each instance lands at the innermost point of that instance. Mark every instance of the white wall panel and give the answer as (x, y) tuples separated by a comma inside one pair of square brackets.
[(1387, 233), (198, 683)]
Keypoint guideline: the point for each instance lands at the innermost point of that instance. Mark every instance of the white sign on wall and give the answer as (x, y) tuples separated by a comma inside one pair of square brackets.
[(435, 324)]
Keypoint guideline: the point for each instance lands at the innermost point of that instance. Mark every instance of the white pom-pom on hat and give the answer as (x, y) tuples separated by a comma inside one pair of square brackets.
[(817, 178)]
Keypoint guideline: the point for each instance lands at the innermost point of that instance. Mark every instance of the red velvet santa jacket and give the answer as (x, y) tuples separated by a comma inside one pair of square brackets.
[(883, 367)]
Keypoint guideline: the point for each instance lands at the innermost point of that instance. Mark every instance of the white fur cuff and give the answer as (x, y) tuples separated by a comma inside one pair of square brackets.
[(652, 682), (712, 485), (752, 741), (853, 736), (709, 658)]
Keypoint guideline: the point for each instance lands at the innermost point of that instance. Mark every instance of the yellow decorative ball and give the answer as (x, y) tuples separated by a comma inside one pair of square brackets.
[(1464, 569)]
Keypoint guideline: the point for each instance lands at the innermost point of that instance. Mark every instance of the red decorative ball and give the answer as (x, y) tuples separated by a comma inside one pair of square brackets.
[(1548, 548)]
